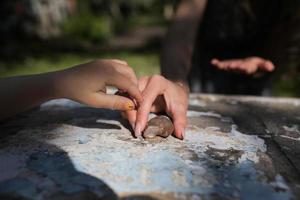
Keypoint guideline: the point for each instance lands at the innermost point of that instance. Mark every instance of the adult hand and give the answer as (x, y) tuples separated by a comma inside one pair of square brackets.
[(248, 65), (86, 83), (160, 95)]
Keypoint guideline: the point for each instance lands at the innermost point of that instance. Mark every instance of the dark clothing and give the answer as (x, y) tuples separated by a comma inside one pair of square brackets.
[(234, 29)]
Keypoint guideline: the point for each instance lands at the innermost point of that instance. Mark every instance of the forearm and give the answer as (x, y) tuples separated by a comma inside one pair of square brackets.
[(21, 93), (178, 46)]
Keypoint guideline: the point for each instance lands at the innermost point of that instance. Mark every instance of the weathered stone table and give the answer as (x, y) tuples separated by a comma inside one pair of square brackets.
[(235, 148)]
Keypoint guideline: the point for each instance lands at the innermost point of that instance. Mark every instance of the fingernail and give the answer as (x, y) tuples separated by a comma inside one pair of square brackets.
[(129, 106), (132, 125), (182, 133), (140, 138), (137, 130)]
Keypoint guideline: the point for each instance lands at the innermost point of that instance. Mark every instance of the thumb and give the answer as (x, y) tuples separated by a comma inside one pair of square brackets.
[(131, 116), (110, 101), (263, 64), (268, 65)]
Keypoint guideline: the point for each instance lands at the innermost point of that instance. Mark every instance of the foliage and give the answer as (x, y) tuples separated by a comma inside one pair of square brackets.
[(144, 63), (88, 27)]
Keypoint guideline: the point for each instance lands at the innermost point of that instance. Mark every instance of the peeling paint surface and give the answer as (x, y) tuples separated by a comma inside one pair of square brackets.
[(96, 152)]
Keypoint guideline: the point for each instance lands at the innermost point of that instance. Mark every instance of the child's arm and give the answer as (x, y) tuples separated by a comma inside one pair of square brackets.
[(83, 83)]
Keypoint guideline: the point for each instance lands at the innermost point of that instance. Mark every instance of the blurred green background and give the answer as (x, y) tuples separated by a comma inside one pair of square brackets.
[(45, 35)]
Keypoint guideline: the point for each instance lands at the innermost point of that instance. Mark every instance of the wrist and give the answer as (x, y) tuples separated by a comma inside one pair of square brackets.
[(52, 84)]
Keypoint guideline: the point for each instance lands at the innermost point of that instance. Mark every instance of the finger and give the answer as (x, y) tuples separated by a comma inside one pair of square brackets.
[(215, 61), (122, 62), (157, 105), (131, 117), (122, 67), (115, 102), (142, 83), (154, 88), (219, 64), (179, 121), (125, 84), (128, 72), (249, 68), (235, 64), (267, 66), (222, 64), (262, 64)]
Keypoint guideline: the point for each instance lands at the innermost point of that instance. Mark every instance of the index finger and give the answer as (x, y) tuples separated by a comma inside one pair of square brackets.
[(126, 85), (179, 120), (267, 65), (127, 71), (153, 89)]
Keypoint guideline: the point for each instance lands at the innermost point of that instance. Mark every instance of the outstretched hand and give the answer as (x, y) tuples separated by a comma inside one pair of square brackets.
[(160, 95), (249, 65)]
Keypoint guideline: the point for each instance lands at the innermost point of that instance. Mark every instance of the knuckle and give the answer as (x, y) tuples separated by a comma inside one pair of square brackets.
[(128, 69), (157, 77)]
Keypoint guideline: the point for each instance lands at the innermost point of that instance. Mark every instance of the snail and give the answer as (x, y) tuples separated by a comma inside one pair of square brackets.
[(159, 126)]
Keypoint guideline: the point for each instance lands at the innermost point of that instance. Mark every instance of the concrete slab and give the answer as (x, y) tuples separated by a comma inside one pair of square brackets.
[(235, 148)]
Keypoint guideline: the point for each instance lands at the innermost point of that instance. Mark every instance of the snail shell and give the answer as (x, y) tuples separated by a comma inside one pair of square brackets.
[(159, 126)]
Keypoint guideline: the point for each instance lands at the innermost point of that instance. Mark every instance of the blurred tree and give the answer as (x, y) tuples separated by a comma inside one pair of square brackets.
[(34, 17), (50, 14), (43, 18), (15, 18)]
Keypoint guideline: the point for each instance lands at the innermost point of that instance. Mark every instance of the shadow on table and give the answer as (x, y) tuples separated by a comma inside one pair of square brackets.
[(49, 171), (83, 117)]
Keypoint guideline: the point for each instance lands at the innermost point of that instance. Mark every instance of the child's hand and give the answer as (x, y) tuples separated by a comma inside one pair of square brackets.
[(248, 65), (86, 83)]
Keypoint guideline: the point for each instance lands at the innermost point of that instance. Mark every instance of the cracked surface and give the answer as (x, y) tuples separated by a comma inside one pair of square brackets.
[(235, 148)]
